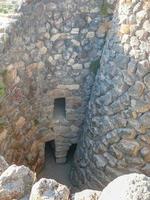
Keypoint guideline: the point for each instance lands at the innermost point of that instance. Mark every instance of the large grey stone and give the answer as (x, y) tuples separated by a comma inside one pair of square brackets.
[(127, 187), (16, 182)]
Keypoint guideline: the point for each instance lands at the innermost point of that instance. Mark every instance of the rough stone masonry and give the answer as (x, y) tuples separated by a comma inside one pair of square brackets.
[(116, 138), (51, 51), (46, 55)]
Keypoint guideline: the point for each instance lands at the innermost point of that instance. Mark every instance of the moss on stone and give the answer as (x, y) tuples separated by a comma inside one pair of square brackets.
[(2, 88), (2, 122), (36, 122), (3, 72), (104, 9), (6, 8), (95, 65)]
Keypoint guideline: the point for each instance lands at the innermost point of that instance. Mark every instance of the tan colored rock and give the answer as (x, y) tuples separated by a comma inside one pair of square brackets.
[(125, 29), (146, 154), (43, 50), (3, 135), (46, 189), (20, 123), (131, 147), (3, 165), (16, 182)]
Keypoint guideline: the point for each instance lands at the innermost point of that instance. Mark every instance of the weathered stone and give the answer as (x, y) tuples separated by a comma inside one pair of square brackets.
[(112, 160), (100, 161), (146, 154), (20, 123), (127, 187), (146, 26), (69, 87), (77, 66), (3, 165), (144, 120), (129, 146), (16, 182), (124, 29), (137, 89), (86, 195), (49, 189)]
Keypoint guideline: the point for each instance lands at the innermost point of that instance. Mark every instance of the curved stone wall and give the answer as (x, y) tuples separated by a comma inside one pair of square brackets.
[(116, 138), (47, 54)]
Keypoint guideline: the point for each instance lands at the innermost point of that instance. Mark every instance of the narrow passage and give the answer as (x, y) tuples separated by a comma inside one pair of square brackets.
[(59, 172)]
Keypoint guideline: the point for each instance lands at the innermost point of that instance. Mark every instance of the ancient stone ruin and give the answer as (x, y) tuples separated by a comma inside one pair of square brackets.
[(45, 69), (77, 72)]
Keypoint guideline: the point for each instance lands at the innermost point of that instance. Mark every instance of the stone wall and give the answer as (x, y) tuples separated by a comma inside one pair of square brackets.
[(50, 51), (116, 138)]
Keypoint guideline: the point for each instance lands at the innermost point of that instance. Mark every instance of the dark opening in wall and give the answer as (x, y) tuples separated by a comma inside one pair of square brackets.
[(71, 152), (60, 108), (49, 149)]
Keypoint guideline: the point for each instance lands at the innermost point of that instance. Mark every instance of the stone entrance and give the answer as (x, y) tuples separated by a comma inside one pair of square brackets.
[(50, 147), (59, 108), (54, 170)]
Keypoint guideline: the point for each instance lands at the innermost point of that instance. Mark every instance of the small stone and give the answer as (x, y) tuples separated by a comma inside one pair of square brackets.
[(130, 147), (137, 89), (144, 120), (90, 35), (100, 161), (146, 169), (69, 87), (20, 123), (146, 154), (146, 26), (134, 41), (75, 31), (51, 60), (77, 66), (140, 34), (147, 81), (43, 50), (141, 15), (125, 29), (76, 43), (112, 160)]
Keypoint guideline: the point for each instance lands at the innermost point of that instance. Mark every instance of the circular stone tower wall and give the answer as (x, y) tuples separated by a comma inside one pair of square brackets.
[(116, 138)]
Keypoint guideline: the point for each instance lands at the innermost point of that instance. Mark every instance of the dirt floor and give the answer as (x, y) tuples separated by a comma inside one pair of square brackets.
[(59, 172)]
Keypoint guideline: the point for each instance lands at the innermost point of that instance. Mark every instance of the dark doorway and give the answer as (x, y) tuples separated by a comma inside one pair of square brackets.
[(50, 149), (59, 108), (71, 152), (52, 170)]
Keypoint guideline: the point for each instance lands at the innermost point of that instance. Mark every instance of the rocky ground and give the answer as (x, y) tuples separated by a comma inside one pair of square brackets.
[(19, 183)]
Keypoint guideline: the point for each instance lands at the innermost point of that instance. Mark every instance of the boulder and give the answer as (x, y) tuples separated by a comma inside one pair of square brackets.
[(86, 195), (128, 187), (46, 189), (3, 165), (16, 182)]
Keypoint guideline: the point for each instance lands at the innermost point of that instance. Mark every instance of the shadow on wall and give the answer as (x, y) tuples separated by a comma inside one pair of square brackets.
[(116, 137)]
